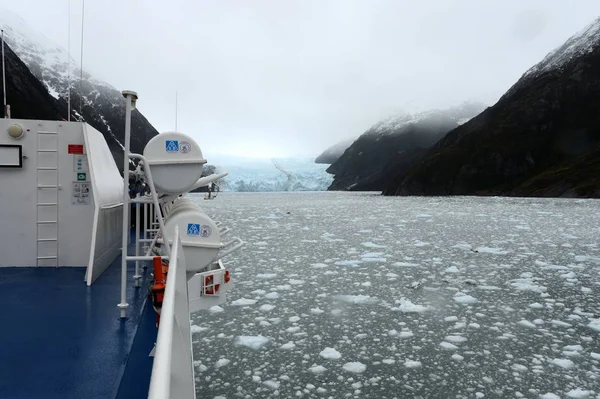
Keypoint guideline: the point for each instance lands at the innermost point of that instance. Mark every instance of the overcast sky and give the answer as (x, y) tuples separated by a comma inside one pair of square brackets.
[(281, 78)]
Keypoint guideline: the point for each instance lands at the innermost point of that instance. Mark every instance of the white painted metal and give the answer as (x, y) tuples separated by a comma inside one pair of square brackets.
[(39, 207), (198, 288), (130, 98), (137, 276), (108, 208), (47, 199), (173, 368), (176, 162), (3, 78)]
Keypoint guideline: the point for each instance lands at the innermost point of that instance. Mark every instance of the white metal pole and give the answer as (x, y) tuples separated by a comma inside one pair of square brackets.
[(130, 96), (3, 78), (137, 275), (81, 67), (144, 230), (69, 66)]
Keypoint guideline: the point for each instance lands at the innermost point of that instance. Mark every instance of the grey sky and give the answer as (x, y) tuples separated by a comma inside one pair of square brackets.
[(280, 78)]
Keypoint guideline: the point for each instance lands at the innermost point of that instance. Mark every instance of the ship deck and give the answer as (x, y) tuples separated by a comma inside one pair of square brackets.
[(63, 339)]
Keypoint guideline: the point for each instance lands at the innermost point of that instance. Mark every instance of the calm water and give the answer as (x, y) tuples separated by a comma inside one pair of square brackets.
[(356, 295)]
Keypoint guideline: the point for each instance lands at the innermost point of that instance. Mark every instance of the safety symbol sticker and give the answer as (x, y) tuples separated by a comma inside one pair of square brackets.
[(193, 229), (171, 145), (205, 231), (185, 147)]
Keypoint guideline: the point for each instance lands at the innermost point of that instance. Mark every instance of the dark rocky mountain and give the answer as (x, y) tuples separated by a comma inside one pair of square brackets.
[(26, 95), (540, 139), (334, 152), (391, 146), (93, 101)]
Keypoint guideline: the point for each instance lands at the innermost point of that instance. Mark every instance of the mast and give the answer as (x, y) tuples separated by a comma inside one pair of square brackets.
[(176, 111), (81, 63), (69, 66), (4, 78)]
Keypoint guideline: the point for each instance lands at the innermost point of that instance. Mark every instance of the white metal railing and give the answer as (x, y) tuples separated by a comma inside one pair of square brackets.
[(173, 369)]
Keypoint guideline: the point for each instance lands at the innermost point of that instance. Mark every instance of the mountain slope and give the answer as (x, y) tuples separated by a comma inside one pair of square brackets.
[(392, 145), (548, 118), (334, 152), (27, 96), (102, 105)]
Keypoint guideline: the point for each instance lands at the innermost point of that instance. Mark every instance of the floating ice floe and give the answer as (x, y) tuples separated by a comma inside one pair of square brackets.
[(564, 363), (243, 302), (222, 363), (330, 354), (406, 306), (594, 324), (489, 250), (372, 245), (317, 369), (253, 342), (354, 367), (197, 329), (465, 299), (356, 299), (348, 263)]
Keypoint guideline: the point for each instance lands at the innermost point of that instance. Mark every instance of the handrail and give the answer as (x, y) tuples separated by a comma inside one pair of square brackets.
[(118, 204), (173, 368)]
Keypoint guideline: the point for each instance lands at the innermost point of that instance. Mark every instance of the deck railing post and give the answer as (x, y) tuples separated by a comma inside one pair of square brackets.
[(137, 275), (130, 98)]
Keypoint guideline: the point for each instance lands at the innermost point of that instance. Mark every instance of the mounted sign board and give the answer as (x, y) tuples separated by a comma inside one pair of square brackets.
[(81, 193), (11, 156), (75, 148), (80, 163)]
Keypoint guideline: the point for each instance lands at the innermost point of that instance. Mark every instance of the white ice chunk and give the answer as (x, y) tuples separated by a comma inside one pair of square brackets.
[(526, 323), (564, 363), (355, 367), (407, 306), (579, 393), (412, 364), (243, 302), (266, 308), (465, 299), (330, 354), (594, 324), (371, 245), (356, 299), (222, 363), (252, 341), (448, 346), (288, 346), (457, 339), (317, 369)]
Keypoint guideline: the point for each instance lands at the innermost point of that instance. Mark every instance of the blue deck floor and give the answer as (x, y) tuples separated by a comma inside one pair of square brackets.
[(60, 338)]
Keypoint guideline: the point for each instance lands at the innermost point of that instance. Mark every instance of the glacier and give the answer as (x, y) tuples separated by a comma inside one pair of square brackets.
[(271, 174)]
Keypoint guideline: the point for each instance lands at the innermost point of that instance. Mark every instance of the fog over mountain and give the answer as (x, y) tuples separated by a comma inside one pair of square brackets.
[(275, 79)]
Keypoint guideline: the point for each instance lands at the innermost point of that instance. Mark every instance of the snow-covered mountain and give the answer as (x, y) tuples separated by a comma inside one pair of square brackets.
[(334, 152), (391, 145), (102, 105), (280, 174), (542, 138)]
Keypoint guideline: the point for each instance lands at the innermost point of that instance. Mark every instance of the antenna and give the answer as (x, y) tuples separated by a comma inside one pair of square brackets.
[(175, 110), (81, 68), (4, 78), (69, 67)]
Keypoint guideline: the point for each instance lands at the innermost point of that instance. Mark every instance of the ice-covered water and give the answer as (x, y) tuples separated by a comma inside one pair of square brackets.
[(357, 295)]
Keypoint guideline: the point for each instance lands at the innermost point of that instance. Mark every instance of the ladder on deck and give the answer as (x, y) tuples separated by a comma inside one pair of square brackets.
[(47, 198)]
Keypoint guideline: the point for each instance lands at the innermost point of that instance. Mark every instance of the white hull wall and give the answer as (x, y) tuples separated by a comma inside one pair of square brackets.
[(42, 223)]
